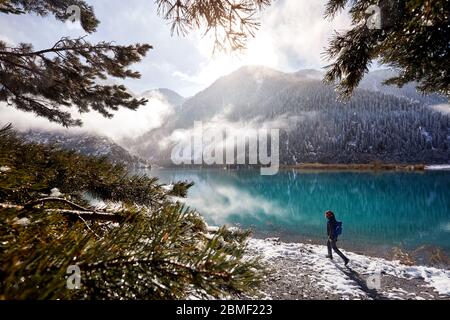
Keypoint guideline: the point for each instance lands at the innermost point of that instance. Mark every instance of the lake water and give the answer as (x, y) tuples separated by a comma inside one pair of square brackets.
[(378, 210)]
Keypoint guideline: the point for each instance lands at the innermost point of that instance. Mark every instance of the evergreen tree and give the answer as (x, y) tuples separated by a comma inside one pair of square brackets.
[(411, 36), (148, 247)]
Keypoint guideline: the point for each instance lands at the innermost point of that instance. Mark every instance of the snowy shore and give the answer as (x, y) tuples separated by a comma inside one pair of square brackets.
[(301, 271), (438, 167)]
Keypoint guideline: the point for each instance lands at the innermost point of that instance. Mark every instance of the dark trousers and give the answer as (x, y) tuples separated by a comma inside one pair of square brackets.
[(332, 244)]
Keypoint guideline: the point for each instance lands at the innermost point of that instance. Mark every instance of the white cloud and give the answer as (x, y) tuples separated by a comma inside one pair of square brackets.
[(125, 123), (219, 133), (299, 27)]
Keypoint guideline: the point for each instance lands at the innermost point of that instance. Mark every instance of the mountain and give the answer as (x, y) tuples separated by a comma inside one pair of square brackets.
[(86, 144), (167, 95), (373, 81), (310, 74), (378, 123)]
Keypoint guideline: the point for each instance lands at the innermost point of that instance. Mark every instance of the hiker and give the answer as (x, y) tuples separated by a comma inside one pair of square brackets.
[(333, 232)]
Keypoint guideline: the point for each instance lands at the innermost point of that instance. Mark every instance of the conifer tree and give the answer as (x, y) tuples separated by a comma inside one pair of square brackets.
[(142, 245)]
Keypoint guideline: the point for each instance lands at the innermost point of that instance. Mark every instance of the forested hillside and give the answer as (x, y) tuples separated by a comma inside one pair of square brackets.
[(384, 123)]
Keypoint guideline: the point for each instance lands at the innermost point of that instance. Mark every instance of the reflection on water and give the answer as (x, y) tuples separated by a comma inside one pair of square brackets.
[(386, 209)]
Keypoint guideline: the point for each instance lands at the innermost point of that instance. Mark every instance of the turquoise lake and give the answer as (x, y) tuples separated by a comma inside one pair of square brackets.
[(378, 210)]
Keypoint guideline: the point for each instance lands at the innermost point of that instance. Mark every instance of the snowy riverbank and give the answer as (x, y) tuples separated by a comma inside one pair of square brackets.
[(301, 271)]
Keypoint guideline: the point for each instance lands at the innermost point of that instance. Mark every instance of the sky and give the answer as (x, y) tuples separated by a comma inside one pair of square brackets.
[(292, 36)]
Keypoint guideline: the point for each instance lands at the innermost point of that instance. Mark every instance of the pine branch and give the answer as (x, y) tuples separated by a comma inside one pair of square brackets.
[(90, 215), (231, 22), (130, 261), (73, 214), (65, 75), (41, 201)]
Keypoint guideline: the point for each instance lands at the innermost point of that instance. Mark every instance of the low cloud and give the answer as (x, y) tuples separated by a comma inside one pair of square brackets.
[(125, 123)]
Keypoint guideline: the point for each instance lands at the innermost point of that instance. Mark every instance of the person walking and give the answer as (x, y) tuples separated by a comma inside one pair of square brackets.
[(332, 233)]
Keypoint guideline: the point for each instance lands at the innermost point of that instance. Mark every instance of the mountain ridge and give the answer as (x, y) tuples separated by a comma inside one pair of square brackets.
[(86, 144), (392, 124), (255, 92)]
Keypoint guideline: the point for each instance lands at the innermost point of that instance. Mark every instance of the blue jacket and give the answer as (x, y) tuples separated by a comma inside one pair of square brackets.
[(331, 227)]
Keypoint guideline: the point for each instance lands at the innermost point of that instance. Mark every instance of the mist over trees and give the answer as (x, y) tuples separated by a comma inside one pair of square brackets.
[(389, 124)]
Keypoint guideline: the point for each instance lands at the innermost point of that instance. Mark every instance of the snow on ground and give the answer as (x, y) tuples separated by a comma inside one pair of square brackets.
[(301, 271), (4, 168), (438, 167)]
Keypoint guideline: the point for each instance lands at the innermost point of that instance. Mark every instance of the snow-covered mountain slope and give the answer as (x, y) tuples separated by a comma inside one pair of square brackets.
[(378, 123), (86, 144)]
